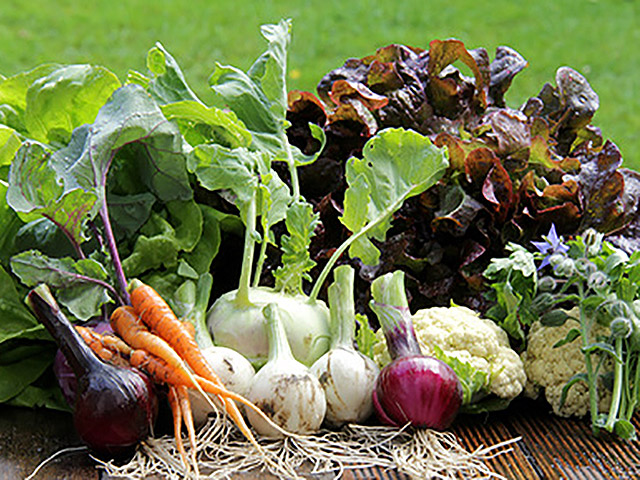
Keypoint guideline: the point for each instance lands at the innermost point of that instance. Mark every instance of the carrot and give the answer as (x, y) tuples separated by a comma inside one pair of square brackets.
[(187, 417), (158, 316), (106, 352), (128, 325), (160, 371), (190, 329), (176, 410), (106, 340)]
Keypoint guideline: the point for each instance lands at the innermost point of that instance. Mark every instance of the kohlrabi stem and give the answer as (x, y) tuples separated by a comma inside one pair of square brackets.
[(342, 308), (347, 243), (279, 347), (261, 257), (242, 295), (618, 376), (113, 250), (198, 314), (592, 384)]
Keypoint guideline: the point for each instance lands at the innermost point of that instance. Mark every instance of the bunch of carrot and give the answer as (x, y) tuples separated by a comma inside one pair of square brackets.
[(151, 338)]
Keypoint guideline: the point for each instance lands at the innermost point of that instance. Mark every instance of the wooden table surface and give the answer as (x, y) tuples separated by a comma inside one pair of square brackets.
[(551, 447)]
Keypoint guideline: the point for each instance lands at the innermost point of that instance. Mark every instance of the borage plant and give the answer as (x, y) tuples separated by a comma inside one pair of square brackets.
[(601, 282)]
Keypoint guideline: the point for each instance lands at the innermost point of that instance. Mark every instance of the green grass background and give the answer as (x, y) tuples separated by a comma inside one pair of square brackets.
[(601, 39)]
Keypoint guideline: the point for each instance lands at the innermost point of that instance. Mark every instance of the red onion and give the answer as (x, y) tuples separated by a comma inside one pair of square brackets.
[(115, 408), (63, 372), (413, 388)]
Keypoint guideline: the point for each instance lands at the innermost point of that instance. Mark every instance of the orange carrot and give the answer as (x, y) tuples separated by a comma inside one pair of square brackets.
[(106, 352), (187, 418), (190, 329), (158, 316), (108, 341), (160, 371), (128, 325), (176, 410)]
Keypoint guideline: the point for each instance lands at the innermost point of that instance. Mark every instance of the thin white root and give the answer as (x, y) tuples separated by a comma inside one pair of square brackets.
[(223, 452), (53, 456)]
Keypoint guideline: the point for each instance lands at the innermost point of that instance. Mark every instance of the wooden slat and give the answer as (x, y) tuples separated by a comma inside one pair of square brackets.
[(551, 447), (27, 437)]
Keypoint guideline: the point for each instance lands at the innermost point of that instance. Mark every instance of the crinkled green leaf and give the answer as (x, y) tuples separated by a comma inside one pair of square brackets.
[(201, 124), (186, 217), (129, 212), (301, 222), (162, 240), (259, 97), (13, 93), (68, 97), (396, 164), (520, 260), (9, 145), (80, 285), (201, 257), (131, 118), (35, 189)]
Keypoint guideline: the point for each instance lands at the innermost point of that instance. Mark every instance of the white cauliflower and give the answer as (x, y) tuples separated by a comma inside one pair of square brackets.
[(460, 333), (548, 369)]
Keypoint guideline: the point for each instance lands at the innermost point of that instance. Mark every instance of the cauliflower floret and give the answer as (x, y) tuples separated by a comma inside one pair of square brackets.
[(549, 368), (460, 332)]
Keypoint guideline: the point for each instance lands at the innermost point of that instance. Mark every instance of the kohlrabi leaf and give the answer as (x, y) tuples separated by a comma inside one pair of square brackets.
[(168, 84), (301, 222), (273, 202), (396, 164), (201, 124), (237, 171), (68, 97), (81, 285), (259, 97), (36, 190), (131, 118)]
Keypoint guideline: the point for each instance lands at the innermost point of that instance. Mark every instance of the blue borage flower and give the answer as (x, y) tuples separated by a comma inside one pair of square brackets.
[(552, 244)]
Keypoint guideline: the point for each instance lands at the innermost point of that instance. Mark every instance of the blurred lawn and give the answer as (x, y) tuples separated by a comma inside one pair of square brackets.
[(598, 38)]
